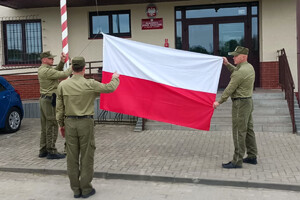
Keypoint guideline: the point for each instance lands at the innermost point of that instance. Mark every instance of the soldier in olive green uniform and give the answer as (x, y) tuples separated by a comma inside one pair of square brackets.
[(48, 79), (74, 113), (240, 89)]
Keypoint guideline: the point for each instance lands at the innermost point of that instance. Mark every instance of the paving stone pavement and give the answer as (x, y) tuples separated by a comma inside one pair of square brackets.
[(56, 187), (164, 155)]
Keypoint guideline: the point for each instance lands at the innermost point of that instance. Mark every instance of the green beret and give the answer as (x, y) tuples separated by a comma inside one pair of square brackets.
[(46, 54), (239, 50)]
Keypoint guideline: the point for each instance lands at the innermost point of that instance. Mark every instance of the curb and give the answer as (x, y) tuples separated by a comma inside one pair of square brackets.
[(167, 179)]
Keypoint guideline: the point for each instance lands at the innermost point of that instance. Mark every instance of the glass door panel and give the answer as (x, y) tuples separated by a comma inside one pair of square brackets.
[(201, 38), (230, 36)]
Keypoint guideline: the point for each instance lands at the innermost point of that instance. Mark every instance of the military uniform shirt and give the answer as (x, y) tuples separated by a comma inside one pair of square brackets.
[(241, 81), (48, 77), (75, 96)]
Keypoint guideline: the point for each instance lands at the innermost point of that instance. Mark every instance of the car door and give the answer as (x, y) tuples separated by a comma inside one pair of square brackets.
[(4, 102)]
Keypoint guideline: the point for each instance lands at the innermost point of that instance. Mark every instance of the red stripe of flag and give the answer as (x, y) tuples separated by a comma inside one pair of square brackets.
[(159, 102)]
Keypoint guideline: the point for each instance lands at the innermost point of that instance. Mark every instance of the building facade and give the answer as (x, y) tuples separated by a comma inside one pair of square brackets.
[(205, 26)]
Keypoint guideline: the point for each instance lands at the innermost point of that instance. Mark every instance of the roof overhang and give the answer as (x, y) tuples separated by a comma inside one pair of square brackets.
[(21, 4)]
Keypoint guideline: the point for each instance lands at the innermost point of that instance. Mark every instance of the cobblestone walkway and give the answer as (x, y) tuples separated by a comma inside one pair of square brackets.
[(191, 155)]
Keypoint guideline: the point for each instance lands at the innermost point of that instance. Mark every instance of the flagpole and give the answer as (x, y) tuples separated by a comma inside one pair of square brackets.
[(64, 29)]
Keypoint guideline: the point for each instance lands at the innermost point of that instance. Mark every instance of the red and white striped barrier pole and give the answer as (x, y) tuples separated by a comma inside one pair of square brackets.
[(64, 29)]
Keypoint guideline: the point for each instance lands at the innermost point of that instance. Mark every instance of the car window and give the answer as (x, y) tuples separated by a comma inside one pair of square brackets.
[(2, 88)]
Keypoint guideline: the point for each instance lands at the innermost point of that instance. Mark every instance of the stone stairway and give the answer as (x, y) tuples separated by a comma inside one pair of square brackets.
[(270, 114), (297, 115)]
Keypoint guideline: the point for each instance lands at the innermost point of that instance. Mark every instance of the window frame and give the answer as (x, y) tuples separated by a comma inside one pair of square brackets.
[(110, 22), (24, 46), (183, 20)]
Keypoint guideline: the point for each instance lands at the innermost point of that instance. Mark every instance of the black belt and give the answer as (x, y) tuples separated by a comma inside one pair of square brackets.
[(239, 98), (81, 117), (45, 96)]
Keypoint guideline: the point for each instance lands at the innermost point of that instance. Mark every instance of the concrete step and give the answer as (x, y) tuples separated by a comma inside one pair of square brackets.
[(228, 119), (282, 128), (279, 95), (297, 115), (258, 127), (256, 119), (270, 114), (278, 103), (263, 94), (257, 111)]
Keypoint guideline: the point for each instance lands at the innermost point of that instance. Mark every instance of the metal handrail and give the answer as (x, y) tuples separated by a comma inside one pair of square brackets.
[(287, 83), (33, 69)]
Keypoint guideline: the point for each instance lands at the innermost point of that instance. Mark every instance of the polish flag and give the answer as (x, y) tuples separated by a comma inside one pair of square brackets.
[(162, 84)]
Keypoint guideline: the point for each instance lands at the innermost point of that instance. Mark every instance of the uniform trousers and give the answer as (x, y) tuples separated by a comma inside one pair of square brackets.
[(49, 126), (242, 130), (80, 146)]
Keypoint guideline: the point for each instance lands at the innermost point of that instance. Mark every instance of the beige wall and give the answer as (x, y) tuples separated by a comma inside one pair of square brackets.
[(277, 28), (79, 28)]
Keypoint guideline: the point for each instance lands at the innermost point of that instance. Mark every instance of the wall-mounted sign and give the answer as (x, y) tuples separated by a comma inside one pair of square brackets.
[(151, 11), (148, 24)]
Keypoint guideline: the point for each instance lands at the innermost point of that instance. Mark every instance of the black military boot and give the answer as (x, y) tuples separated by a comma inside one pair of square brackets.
[(252, 161), (55, 156)]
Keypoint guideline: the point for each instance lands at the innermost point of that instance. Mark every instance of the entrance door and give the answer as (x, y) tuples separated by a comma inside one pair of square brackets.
[(227, 36), (217, 30)]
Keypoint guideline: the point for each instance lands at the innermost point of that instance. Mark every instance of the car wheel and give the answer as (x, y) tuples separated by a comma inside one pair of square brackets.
[(13, 120)]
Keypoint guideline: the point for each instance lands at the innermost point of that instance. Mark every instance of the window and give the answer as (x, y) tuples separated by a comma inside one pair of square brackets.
[(115, 23), (229, 22), (22, 41), (216, 12)]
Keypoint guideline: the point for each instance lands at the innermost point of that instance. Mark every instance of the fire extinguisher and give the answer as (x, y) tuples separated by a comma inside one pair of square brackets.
[(166, 43)]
